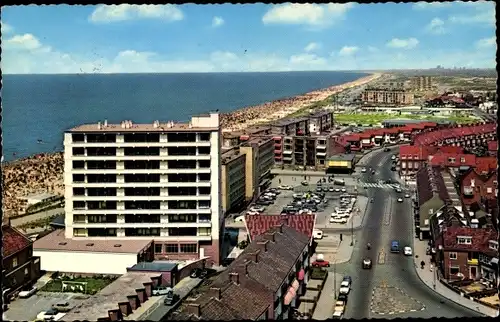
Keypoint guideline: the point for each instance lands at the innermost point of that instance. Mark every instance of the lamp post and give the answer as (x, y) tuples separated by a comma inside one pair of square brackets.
[(352, 231), (334, 279)]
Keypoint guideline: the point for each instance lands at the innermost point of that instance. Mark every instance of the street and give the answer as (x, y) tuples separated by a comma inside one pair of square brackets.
[(391, 287)]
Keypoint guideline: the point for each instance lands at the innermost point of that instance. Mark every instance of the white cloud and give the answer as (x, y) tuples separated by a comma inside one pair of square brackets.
[(487, 42), (314, 15), (6, 28), (430, 5), (348, 50), (372, 49), (217, 22), (25, 54), (313, 46), (403, 43), (122, 12), (436, 26), (481, 13)]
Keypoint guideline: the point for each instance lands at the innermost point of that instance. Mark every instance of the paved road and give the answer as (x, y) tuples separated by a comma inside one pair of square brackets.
[(392, 285)]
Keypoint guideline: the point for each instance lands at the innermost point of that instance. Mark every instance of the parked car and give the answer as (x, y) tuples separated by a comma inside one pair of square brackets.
[(407, 195), (285, 187), (408, 251), (257, 209), (304, 183), (319, 189), (345, 287), (338, 220), (160, 290), (400, 199), (27, 293), (51, 314), (320, 262), (363, 170), (317, 234), (62, 306)]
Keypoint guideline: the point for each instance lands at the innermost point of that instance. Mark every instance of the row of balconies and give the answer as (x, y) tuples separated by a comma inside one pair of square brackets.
[(151, 138), (147, 232)]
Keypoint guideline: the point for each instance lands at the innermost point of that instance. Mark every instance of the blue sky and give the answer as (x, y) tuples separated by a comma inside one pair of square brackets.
[(234, 38)]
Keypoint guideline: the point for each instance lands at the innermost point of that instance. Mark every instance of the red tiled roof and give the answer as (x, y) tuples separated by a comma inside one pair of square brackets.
[(486, 164), (443, 159), (259, 224), (13, 241), (428, 138), (409, 151), (480, 238), (451, 149), (493, 146)]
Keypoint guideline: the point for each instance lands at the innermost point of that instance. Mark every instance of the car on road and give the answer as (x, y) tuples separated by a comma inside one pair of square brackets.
[(317, 234), (285, 187), (387, 150), (343, 190), (320, 261), (51, 314), (363, 170), (407, 195), (398, 190), (304, 183), (345, 287), (408, 251), (62, 306), (251, 213), (274, 190), (342, 297), (338, 310), (331, 189), (400, 199), (27, 293), (319, 189), (367, 263), (393, 157), (394, 246), (337, 189), (262, 202)]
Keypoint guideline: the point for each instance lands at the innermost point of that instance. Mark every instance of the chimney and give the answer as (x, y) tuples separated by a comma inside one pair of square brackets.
[(263, 245), (270, 236), (279, 228), (235, 278), (215, 293), (194, 309), (255, 256)]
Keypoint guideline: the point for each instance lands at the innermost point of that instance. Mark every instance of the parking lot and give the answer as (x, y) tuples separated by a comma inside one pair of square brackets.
[(28, 309)]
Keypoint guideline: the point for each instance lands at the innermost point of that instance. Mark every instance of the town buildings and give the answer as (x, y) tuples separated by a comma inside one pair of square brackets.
[(383, 96), (143, 182), (263, 283), (233, 178), (422, 83), (20, 268), (259, 162)]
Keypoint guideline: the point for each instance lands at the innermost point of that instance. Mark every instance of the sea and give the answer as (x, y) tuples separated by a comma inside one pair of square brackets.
[(37, 109)]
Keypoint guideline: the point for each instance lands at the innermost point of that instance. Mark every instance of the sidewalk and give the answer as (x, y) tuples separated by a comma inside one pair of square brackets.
[(429, 278), (326, 302)]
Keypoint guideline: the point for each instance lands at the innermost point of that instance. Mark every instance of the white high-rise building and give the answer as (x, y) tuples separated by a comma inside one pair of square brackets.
[(158, 181)]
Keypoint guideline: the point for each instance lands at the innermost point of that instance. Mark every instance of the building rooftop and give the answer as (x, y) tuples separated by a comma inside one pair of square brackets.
[(155, 266), (230, 155), (107, 299), (480, 239), (243, 291), (342, 157), (259, 141), (56, 241), (13, 241), (430, 183), (320, 114), (288, 121)]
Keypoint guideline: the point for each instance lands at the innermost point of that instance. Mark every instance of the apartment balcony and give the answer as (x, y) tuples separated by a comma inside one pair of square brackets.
[(321, 155), (287, 153), (278, 157), (473, 261), (143, 225), (137, 144), (321, 147), (207, 211), (140, 184), (138, 198), (278, 151)]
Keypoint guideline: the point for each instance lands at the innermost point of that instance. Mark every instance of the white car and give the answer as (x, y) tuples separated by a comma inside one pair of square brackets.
[(341, 215), (393, 157), (407, 195), (408, 251), (50, 315), (400, 199), (343, 190), (28, 293), (285, 187), (363, 170), (398, 190), (338, 220), (251, 213), (257, 209), (345, 287), (337, 190)]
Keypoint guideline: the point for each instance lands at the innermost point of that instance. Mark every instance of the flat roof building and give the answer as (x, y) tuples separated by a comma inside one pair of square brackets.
[(233, 179), (156, 181), (259, 162)]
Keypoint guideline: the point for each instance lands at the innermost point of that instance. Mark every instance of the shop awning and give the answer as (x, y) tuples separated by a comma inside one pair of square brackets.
[(301, 274), (290, 295)]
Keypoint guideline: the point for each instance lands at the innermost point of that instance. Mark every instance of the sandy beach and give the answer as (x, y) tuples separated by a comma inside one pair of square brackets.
[(43, 173)]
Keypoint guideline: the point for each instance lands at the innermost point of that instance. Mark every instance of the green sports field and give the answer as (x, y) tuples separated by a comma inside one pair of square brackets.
[(376, 118)]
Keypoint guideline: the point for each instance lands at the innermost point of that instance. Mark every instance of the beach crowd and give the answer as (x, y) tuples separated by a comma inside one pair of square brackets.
[(43, 173)]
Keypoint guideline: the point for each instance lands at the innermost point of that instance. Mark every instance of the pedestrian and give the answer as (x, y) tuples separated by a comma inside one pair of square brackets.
[(279, 180)]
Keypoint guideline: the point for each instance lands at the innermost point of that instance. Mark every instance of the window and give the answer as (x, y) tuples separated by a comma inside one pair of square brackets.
[(172, 248), (204, 150), (188, 248), (453, 255), (79, 232), (454, 270), (204, 204), (78, 151), (78, 191), (158, 248), (452, 160), (462, 159), (78, 204), (204, 163), (78, 178), (204, 136), (465, 240), (14, 262), (26, 272), (204, 231), (78, 164), (204, 218), (489, 190)]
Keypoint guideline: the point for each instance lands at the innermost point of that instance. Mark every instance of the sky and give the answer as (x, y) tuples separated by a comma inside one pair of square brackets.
[(246, 38)]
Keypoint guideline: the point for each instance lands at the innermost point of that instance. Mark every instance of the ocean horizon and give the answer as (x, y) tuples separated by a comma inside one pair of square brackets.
[(38, 108)]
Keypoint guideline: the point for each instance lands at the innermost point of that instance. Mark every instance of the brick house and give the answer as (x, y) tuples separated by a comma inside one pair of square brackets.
[(478, 184), (460, 250), (493, 148), (263, 283), (20, 268)]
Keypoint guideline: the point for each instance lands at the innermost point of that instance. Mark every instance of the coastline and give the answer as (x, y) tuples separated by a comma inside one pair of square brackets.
[(43, 172)]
